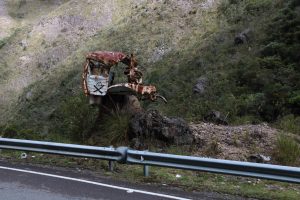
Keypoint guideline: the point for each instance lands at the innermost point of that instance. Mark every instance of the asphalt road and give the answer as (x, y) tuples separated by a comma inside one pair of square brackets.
[(22, 182)]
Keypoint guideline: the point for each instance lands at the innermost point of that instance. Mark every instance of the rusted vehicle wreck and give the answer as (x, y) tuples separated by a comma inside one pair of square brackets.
[(97, 78)]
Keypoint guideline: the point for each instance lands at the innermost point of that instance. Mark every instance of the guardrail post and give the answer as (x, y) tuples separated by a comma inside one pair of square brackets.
[(146, 170), (146, 167), (111, 166), (111, 163)]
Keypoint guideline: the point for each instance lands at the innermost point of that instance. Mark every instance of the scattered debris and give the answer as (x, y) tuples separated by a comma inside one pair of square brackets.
[(258, 158), (178, 176), (97, 80), (23, 155)]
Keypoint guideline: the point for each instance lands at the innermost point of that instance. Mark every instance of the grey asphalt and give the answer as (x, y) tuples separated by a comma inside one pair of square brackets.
[(15, 185)]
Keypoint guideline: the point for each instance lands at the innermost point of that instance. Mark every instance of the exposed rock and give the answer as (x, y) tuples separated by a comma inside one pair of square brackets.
[(216, 117), (124, 103), (152, 125), (159, 52), (28, 96), (243, 37), (23, 44), (200, 85), (207, 4)]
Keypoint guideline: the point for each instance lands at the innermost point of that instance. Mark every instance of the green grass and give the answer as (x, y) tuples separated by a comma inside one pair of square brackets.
[(287, 151), (289, 123), (113, 129)]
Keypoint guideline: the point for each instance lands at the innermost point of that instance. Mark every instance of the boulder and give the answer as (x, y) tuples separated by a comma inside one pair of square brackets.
[(151, 125), (242, 37), (216, 117), (200, 85), (23, 44)]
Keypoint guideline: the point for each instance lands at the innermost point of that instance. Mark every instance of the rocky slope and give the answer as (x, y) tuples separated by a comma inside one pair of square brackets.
[(255, 143)]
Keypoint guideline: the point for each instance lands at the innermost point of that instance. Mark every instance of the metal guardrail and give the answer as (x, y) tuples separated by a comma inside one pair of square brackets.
[(104, 153), (145, 158), (230, 167)]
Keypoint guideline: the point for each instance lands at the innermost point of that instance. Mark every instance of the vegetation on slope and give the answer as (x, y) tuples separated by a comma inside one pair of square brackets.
[(176, 43), (257, 81)]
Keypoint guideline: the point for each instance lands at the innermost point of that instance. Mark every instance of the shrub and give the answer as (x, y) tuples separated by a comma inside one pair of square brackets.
[(287, 151), (289, 123), (2, 43), (254, 6), (9, 131), (13, 131), (77, 118), (114, 128)]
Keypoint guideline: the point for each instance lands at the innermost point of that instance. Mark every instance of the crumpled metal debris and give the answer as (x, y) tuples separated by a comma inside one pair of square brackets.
[(98, 65)]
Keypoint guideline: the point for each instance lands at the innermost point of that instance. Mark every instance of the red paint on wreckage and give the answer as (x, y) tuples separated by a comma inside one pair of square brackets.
[(107, 57), (112, 58)]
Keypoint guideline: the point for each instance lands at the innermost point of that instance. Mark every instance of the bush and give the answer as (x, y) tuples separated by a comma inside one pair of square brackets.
[(113, 128), (12, 131), (255, 6), (289, 123), (77, 118), (287, 151), (2, 43)]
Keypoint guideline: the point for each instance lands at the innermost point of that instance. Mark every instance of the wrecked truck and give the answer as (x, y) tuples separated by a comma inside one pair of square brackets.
[(98, 80)]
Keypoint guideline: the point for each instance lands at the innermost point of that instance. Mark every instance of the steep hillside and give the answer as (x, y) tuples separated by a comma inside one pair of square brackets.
[(57, 43), (178, 43)]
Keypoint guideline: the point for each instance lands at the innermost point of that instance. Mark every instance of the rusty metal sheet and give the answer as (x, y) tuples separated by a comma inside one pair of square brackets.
[(144, 90), (107, 57), (93, 85), (84, 81)]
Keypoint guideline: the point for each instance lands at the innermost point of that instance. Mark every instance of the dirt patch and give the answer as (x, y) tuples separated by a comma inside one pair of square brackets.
[(5, 21), (245, 143)]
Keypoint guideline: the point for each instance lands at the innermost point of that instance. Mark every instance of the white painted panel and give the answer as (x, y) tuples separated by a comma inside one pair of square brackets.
[(97, 85)]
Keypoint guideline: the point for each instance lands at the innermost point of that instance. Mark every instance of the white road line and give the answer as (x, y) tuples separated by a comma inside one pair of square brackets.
[(94, 183)]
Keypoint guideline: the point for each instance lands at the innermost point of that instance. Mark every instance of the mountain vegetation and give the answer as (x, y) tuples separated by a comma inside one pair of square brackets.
[(244, 53)]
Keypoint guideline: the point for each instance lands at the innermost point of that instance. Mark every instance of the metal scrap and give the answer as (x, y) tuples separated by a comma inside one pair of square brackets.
[(96, 76)]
